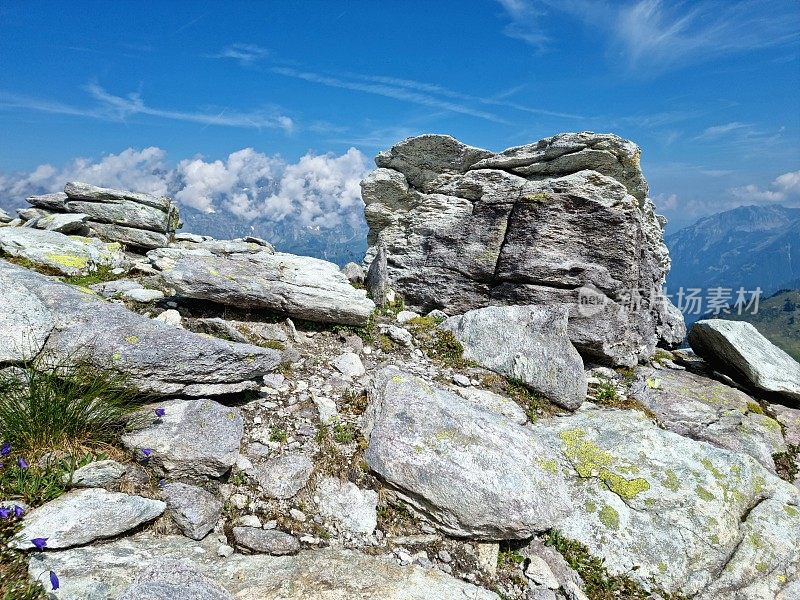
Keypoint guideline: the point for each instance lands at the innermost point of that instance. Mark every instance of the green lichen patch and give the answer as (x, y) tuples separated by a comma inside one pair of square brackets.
[(709, 466), (671, 482), (609, 517), (132, 339), (791, 511), (622, 487), (548, 464), (704, 494)]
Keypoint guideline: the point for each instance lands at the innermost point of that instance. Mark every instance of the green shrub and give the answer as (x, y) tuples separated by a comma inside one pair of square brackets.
[(344, 433), (65, 406)]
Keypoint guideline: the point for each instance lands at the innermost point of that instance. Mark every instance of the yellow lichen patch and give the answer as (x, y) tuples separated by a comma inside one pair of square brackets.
[(791, 511), (538, 197), (213, 271), (548, 464), (609, 517), (624, 488), (69, 260), (132, 339), (590, 506), (754, 407), (756, 540), (397, 379), (709, 466), (662, 567), (762, 567), (116, 356)]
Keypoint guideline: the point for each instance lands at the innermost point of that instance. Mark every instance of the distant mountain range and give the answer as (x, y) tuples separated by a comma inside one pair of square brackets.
[(749, 246)]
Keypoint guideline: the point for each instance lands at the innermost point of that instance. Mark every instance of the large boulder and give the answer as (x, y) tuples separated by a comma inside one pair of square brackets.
[(705, 409), (256, 277), (195, 439), (474, 473), (63, 254), (738, 349), (562, 221), (684, 515), (104, 571), (527, 343), (83, 516), (66, 322)]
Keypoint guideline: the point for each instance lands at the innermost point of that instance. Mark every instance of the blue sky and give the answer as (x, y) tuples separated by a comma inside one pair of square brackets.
[(170, 95)]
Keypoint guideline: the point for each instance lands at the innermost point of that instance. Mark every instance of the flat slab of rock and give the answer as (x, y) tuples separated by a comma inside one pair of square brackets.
[(83, 516), (161, 360), (687, 515), (104, 571), (474, 473), (266, 541), (97, 474), (565, 220), (68, 255), (738, 349), (300, 286), (193, 509), (174, 580), (195, 439), (352, 508), (527, 343), (705, 409), (283, 476)]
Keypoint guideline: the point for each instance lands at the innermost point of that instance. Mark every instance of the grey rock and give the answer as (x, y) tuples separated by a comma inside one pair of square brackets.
[(96, 474), (790, 419), (265, 541), (50, 202), (462, 234), (299, 286), (31, 215), (194, 440), (25, 320), (528, 343), (193, 509), (284, 476), (159, 359), (130, 236), (109, 289), (143, 295), (436, 449), (174, 580), (352, 508), (63, 223), (492, 402), (64, 254), (101, 572), (170, 317), (377, 279), (188, 237), (220, 328), (354, 273), (648, 498), (349, 364), (704, 409), (737, 349), (83, 516), (400, 335), (76, 190), (4, 216), (125, 212)]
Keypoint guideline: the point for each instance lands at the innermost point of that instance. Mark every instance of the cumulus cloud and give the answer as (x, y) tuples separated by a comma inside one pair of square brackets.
[(785, 189), (319, 190)]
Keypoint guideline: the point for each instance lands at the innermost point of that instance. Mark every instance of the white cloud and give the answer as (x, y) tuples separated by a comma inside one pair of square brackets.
[(784, 188), (318, 190), (716, 131), (246, 54)]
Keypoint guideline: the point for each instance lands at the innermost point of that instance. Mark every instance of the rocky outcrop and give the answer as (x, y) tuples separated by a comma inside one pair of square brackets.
[(527, 343), (309, 574), (562, 221), (142, 221), (65, 322), (257, 277), (193, 509), (67, 255), (473, 473), (738, 349)]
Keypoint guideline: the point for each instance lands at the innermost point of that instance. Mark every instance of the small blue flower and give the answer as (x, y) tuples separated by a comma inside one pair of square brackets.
[(40, 543), (4, 512), (18, 510), (5, 449), (147, 451), (160, 412), (23, 464), (54, 580)]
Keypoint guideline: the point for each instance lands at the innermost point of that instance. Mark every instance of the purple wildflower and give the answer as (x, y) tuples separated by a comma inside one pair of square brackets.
[(5, 449), (4, 512), (160, 412), (18, 510), (40, 543), (54, 580), (147, 451), (23, 464)]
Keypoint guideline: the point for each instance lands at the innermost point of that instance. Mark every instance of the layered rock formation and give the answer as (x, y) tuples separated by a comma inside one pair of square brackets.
[(141, 221), (563, 221)]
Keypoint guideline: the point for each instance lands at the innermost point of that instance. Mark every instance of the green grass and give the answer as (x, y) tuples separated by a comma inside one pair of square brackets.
[(66, 406), (100, 275), (277, 434), (344, 433), (14, 582)]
